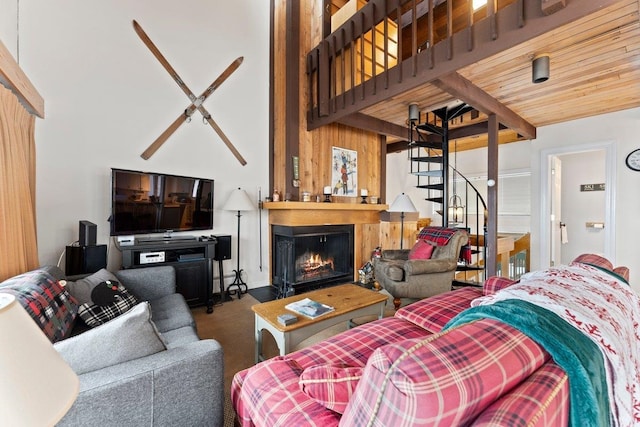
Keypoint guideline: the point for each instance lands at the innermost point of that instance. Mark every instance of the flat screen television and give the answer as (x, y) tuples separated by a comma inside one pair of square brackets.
[(147, 202)]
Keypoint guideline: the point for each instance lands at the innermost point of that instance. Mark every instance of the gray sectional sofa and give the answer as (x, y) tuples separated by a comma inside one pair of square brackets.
[(147, 366)]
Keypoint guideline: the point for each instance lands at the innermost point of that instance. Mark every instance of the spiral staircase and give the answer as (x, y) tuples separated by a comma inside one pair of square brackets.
[(458, 202)]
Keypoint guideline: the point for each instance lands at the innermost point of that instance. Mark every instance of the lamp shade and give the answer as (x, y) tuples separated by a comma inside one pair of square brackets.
[(239, 201), (37, 387), (402, 203)]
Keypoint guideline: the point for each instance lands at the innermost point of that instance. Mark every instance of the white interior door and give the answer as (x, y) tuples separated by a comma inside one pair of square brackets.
[(550, 221)]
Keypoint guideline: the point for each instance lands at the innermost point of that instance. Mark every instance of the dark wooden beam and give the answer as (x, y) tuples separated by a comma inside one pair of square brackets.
[(272, 14), (293, 95), (512, 33), (480, 128), (383, 168), (397, 147), (474, 129), (466, 91), (491, 241), (372, 124)]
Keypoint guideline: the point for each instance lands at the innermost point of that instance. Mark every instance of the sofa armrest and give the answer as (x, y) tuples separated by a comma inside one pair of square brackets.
[(165, 388), (424, 266), (149, 283), (402, 254)]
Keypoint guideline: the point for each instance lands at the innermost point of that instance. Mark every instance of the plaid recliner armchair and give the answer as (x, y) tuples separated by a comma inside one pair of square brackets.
[(421, 278)]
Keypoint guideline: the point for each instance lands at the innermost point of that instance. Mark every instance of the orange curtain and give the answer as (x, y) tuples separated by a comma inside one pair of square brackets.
[(18, 240)]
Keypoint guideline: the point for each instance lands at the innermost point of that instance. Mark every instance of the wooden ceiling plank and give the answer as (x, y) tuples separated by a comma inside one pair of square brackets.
[(537, 24)]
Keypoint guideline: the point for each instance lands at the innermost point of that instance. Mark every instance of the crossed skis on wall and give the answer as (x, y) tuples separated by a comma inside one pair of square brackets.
[(196, 102)]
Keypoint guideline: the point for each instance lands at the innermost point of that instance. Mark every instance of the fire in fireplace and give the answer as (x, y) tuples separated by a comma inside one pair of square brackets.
[(310, 257), (311, 266)]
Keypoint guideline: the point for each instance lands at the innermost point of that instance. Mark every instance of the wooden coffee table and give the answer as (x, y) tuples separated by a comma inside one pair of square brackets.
[(349, 301)]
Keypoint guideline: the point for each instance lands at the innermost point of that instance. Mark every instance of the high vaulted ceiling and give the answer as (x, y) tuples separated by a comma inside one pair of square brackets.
[(594, 69)]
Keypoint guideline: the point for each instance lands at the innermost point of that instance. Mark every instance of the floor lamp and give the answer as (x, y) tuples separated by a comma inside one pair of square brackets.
[(402, 204), (238, 201), (27, 398)]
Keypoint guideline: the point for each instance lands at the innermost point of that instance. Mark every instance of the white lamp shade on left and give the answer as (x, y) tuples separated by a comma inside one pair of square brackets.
[(37, 387), (239, 201)]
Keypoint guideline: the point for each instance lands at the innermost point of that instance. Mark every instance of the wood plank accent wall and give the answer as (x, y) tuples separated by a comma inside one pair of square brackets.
[(314, 147)]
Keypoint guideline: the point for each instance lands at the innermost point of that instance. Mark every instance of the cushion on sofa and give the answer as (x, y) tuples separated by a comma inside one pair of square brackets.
[(622, 272), (127, 337), (171, 312), (279, 400), (594, 260), (331, 385), (81, 289), (105, 308), (495, 283), (433, 313), (543, 398), (423, 249), (444, 379), (48, 303)]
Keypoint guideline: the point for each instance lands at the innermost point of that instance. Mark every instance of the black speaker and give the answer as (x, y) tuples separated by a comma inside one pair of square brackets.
[(85, 259), (223, 248), (87, 233)]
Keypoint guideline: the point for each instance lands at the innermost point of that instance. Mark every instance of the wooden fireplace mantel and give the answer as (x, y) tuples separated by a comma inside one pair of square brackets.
[(314, 213)]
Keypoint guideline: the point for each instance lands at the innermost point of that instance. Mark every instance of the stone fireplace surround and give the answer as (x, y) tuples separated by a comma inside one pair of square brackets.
[(365, 219)]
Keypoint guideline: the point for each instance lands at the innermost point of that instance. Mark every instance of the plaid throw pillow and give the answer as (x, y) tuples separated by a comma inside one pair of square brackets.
[(330, 385), (95, 315), (438, 235), (48, 303)]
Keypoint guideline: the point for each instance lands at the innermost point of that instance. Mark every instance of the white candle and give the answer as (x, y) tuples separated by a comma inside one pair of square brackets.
[(364, 192), (327, 189)]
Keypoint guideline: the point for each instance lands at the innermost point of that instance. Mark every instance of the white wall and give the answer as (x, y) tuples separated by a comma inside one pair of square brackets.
[(8, 26), (623, 127), (107, 98)]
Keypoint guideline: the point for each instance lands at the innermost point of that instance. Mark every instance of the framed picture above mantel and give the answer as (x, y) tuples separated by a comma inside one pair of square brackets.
[(344, 172)]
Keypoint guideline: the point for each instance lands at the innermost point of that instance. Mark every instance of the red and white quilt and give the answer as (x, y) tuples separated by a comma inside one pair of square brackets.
[(603, 308)]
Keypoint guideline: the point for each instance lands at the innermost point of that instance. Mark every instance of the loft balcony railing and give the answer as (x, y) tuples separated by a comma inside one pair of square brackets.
[(386, 47)]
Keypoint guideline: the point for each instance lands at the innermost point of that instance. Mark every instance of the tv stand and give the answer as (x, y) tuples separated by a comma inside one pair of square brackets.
[(191, 259)]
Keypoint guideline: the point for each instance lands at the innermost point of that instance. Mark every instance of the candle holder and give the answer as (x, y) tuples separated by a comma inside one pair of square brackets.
[(327, 194), (364, 199)]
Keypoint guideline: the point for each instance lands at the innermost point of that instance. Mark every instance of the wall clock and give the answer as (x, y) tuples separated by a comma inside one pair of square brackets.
[(633, 160)]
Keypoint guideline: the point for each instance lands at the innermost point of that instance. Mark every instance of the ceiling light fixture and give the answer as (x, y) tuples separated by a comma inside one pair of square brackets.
[(540, 68)]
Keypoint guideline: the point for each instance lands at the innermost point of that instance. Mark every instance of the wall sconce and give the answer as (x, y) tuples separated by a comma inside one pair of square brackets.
[(540, 68)]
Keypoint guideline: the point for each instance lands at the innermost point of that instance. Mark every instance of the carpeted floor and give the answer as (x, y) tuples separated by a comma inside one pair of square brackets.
[(232, 325)]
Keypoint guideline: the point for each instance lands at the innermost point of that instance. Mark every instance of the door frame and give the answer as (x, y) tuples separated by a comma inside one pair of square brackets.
[(609, 148)]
